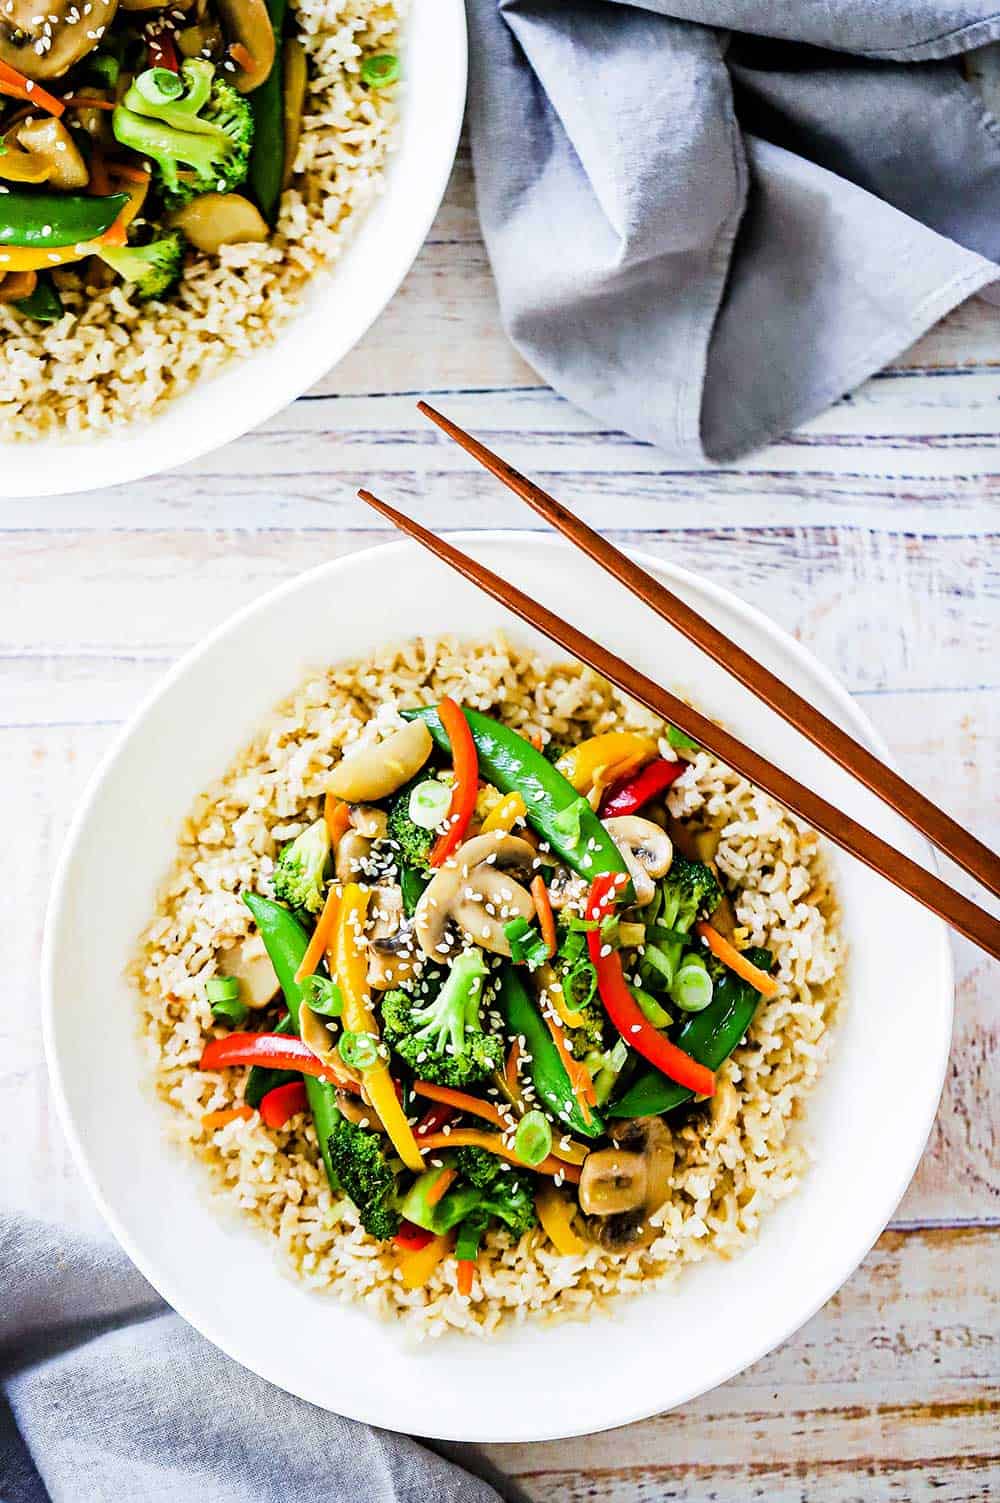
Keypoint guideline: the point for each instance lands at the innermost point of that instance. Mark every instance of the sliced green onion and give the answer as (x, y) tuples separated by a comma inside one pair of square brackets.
[(692, 988), (680, 740), (568, 821), (159, 85), (630, 936), (655, 959), (650, 1008), (533, 1139), (579, 985), (323, 996), (359, 1050), (430, 803), (223, 993), (381, 71), (527, 947)]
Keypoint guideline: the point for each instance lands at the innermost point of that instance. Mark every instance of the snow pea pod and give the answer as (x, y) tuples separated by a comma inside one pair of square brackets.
[(285, 941), (709, 1037), (49, 221), (267, 159), (44, 305), (513, 765), (548, 1072)]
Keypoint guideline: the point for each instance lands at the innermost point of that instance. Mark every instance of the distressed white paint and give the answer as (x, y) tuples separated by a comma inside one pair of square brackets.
[(872, 535)]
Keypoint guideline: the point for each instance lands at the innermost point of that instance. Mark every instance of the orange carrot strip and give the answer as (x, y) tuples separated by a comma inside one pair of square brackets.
[(463, 1282), (510, 1068), (18, 86), (546, 918), (462, 1101), (473, 1137), (337, 815), (212, 1120), (100, 182), (579, 1076), (731, 957), (126, 172), (441, 1186), (242, 58), (321, 934), (81, 102)]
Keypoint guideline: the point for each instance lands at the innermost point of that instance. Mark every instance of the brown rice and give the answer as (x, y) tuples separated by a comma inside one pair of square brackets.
[(734, 1160)]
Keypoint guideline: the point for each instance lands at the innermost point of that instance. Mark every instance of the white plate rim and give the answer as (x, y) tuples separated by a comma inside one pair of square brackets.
[(857, 723)]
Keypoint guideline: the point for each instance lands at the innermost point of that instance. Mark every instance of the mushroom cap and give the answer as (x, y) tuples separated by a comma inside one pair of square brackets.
[(353, 851), (44, 40), (630, 1191), (449, 887), (486, 903), (373, 772), (647, 851)]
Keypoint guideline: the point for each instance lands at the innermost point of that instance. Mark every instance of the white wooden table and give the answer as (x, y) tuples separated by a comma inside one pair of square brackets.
[(872, 536)]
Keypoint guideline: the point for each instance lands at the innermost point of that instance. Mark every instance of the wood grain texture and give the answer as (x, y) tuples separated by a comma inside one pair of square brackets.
[(872, 536)]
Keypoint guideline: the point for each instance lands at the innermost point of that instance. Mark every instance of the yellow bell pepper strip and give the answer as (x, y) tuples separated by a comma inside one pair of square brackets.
[(350, 966), (504, 817), (610, 756), (736, 961), (20, 166), (465, 762), (416, 1266), (622, 1008), (556, 1216), (550, 990), (492, 1142)]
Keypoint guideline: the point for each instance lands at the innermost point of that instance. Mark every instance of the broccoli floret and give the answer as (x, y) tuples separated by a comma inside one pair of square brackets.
[(511, 1198), (301, 868), (443, 1040), (589, 1034), (477, 1166), (365, 1176), (153, 268), (193, 123), (690, 892), (414, 842)]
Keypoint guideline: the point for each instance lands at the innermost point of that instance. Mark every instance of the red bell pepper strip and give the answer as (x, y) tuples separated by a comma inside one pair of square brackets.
[(434, 1118), (283, 1103), (465, 762), (411, 1238), (628, 795), (275, 1051), (622, 1008)]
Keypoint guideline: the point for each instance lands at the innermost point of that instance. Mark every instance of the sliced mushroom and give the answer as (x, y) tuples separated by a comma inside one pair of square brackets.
[(368, 821), (359, 1112), (50, 143), (353, 852), (213, 220), (647, 851), (43, 41), (258, 984), (373, 772), (567, 890), (622, 1186), (247, 23), (391, 943), (319, 1035), (480, 874)]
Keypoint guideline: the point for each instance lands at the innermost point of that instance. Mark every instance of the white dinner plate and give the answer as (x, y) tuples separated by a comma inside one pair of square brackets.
[(867, 1121), (339, 306)]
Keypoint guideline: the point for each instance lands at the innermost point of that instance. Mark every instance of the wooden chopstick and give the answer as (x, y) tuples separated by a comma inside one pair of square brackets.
[(845, 832), (918, 810)]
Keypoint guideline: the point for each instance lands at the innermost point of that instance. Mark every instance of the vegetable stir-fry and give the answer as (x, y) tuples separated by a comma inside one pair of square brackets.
[(137, 137), (500, 974)]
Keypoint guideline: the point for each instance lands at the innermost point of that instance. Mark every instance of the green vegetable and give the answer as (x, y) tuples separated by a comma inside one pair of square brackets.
[(443, 1040), (570, 822), (429, 803), (206, 131), (267, 159), (533, 1138), (104, 68), (411, 885), (690, 892), (359, 1051), (508, 1195), (605, 1066), (285, 941), (692, 987), (260, 1080), (380, 71), (709, 1037), (153, 268), (527, 947), (300, 873), (49, 221), (323, 996), (44, 305), (413, 842), (680, 740), (222, 988), (478, 1166), (470, 1235), (513, 765), (365, 1175), (234, 1012), (650, 1008), (440, 1217), (548, 1073)]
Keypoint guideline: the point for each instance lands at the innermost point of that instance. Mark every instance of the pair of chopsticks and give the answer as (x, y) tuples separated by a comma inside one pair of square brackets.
[(950, 837)]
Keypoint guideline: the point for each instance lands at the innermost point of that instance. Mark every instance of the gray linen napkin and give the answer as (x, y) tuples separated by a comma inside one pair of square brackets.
[(109, 1397), (708, 219)]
